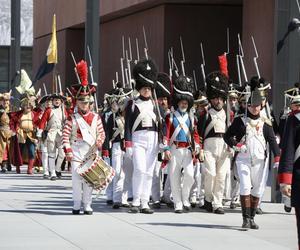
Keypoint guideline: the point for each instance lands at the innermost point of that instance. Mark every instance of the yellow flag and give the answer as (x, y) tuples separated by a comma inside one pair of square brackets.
[(52, 49)]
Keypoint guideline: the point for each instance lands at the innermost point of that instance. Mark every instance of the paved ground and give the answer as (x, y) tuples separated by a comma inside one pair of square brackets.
[(36, 214)]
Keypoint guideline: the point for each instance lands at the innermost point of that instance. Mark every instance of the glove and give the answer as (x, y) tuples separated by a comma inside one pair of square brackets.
[(286, 189), (129, 152), (69, 156), (240, 148)]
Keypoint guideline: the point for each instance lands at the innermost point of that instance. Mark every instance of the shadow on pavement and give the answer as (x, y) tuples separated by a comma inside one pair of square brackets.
[(209, 226)]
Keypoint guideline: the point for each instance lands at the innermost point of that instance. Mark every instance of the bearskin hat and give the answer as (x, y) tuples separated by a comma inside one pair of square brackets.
[(145, 74), (163, 85), (183, 90), (261, 84), (217, 85)]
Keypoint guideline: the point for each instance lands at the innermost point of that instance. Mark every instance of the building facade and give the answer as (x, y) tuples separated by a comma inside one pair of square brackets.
[(165, 21)]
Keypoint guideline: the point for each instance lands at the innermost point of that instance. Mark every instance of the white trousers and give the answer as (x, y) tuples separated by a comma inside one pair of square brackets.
[(216, 162), (82, 192), (56, 155), (252, 176), (128, 170), (235, 185), (167, 188), (181, 158), (44, 158), (156, 182), (115, 190), (145, 150), (195, 189)]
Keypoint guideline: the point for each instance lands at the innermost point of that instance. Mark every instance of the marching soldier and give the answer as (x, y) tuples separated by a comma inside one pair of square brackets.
[(181, 143), (248, 135), (197, 190), (288, 171), (51, 124), (45, 103), (141, 134), (287, 111), (114, 143), (82, 134), (216, 154), (163, 96)]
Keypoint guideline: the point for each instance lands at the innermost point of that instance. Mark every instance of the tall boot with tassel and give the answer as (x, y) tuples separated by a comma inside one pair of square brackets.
[(254, 204), (246, 204)]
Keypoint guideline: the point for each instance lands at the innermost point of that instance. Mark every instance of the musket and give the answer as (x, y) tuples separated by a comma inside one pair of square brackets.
[(59, 84), (146, 44), (297, 1), (174, 65), (75, 69), (227, 104), (202, 66), (45, 89), (91, 66), (195, 80), (130, 51), (122, 62), (170, 65), (69, 91), (126, 76), (129, 69), (241, 56), (228, 44), (137, 50), (247, 96), (182, 62), (255, 57), (238, 70), (117, 76), (114, 84), (160, 122)]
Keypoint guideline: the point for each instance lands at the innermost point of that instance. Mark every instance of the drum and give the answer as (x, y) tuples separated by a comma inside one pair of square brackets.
[(96, 172)]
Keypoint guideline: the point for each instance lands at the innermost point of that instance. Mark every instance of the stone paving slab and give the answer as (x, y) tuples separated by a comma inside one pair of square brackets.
[(36, 214)]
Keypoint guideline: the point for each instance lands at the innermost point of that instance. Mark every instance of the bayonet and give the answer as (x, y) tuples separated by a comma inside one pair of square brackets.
[(75, 69), (137, 50), (195, 80), (183, 57), (241, 56), (255, 57), (203, 65), (146, 44)]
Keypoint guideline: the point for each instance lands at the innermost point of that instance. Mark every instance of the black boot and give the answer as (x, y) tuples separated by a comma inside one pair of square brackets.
[(8, 166), (246, 217), (208, 206), (254, 204), (3, 167), (246, 210)]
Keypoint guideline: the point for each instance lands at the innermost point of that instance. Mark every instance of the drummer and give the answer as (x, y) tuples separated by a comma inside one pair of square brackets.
[(82, 135)]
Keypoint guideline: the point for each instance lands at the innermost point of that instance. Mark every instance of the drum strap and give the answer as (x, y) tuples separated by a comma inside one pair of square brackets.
[(88, 132)]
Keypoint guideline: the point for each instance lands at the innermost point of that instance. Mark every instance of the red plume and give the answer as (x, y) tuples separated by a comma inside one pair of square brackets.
[(223, 64), (82, 70)]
